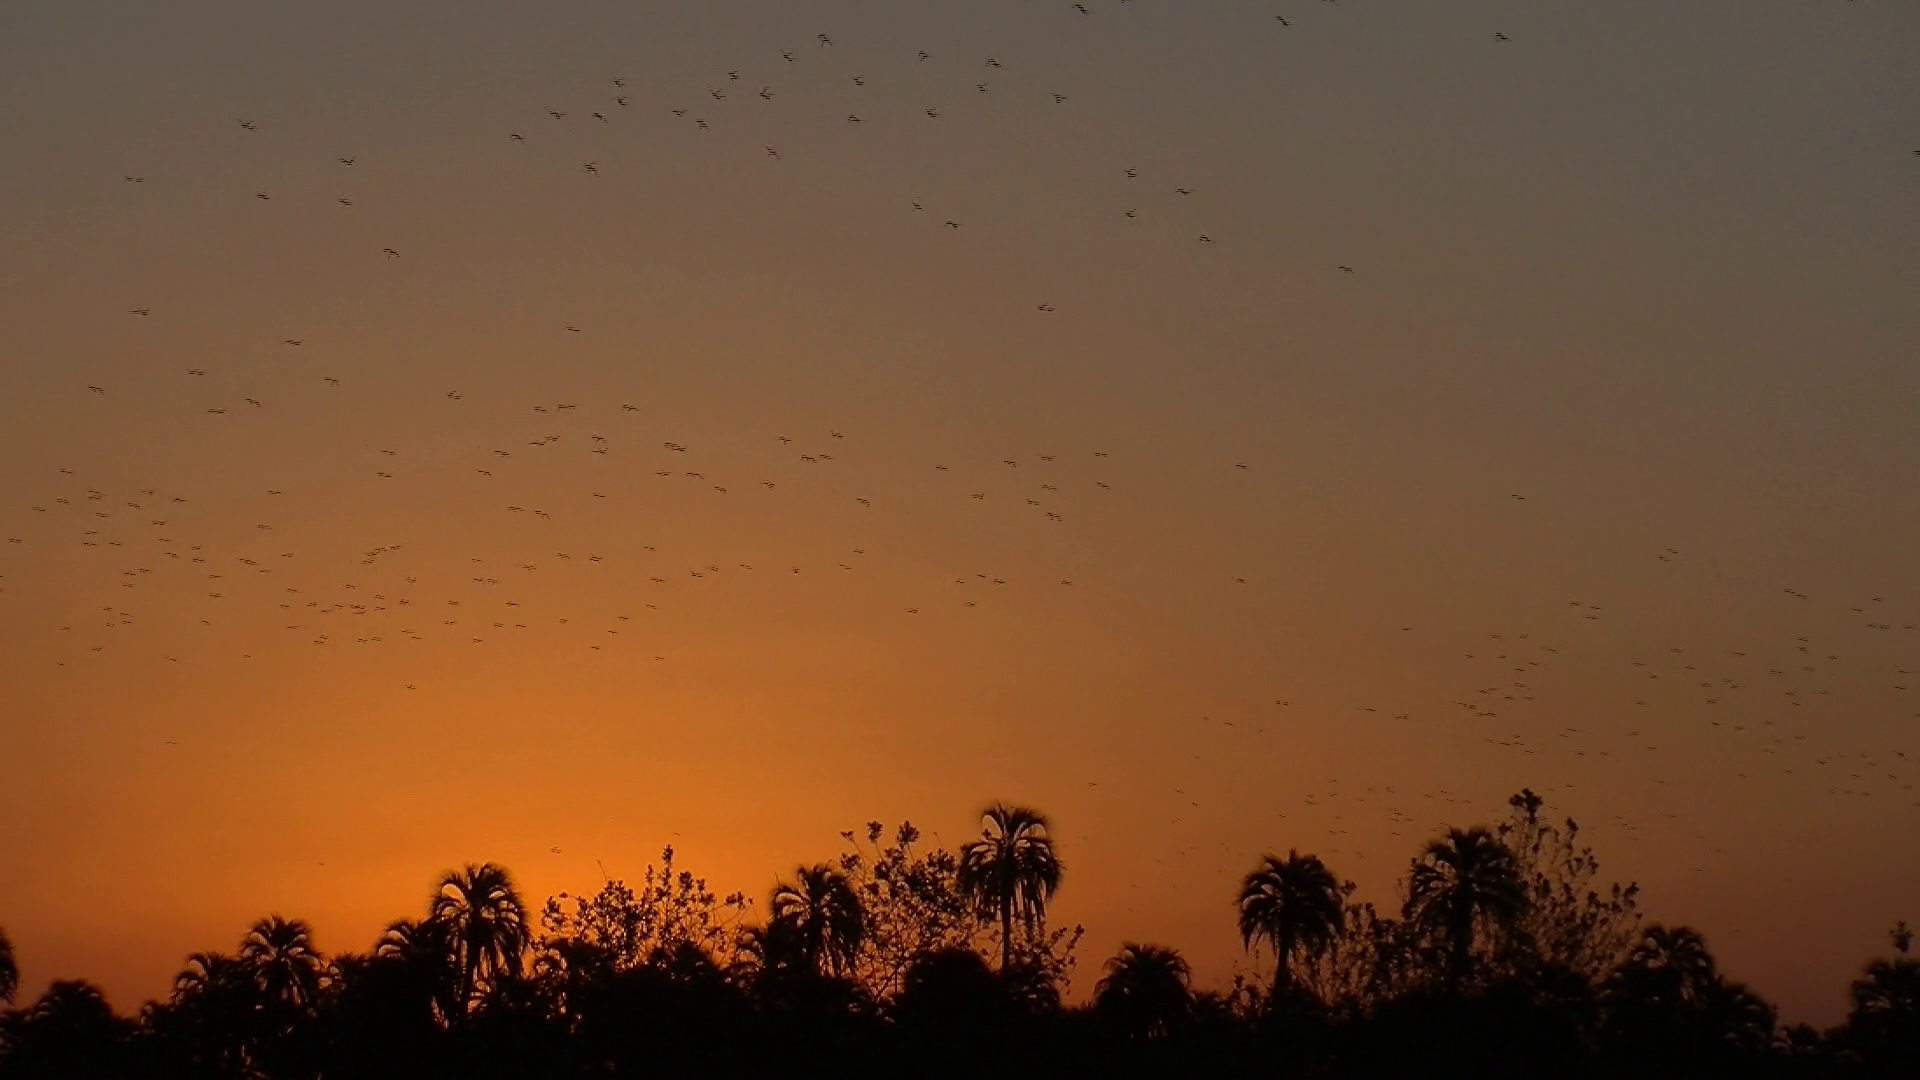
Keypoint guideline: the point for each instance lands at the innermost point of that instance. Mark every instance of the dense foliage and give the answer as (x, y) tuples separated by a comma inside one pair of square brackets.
[(1508, 957)]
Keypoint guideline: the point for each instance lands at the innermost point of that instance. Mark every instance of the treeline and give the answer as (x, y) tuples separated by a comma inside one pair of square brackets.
[(1507, 957)]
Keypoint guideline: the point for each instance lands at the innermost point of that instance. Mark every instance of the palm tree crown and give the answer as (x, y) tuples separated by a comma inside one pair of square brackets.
[(1672, 963), (1295, 904), (1145, 988), (485, 922), (823, 916), (206, 974), (1012, 867), (1464, 881), (280, 956)]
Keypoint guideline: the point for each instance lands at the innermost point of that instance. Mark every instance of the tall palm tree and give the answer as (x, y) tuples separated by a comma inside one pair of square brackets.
[(1462, 882), (1296, 904), (9, 969), (1146, 990), (280, 956), (823, 914), (485, 923), (1013, 866)]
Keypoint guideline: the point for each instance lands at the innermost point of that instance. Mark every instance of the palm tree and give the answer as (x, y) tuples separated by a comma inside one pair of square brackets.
[(1145, 989), (823, 914), (1463, 881), (70, 1031), (211, 1013), (422, 949), (1296, 904), (412, 939), (279, 954), (1668, 1002), (1012, 865), (9, 969), (1744, 1020), (485, 923), (1883, 1023), (1671, 963), (214, 977)]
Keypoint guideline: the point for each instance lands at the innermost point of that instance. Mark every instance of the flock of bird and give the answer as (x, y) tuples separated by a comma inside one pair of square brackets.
[(563, 482)]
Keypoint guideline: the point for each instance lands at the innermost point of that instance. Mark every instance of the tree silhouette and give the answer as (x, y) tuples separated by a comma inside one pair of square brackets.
[(1570, 921), (486, 925), (821, 913), (9, 968), (623, 927), (69, 1033), (1462, 883), (912, 904), (1296, 905), (280, 956), (1883, 1017), (419, 955), (210, 1014), (1671, 963), (1012, 867), (1145, 991), (1669, 1008), (952, 995), (284, 971), (877, 965), (386, 1012)]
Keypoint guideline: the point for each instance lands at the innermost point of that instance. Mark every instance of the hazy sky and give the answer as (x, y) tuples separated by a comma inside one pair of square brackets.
[(1593, 473)]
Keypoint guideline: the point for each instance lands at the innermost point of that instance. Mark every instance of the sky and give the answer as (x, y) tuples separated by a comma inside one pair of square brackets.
[(1227, 435)]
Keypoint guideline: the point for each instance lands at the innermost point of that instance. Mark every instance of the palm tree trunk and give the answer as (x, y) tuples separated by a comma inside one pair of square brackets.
[(1460, 964), (1006, 932), (1282, 970)]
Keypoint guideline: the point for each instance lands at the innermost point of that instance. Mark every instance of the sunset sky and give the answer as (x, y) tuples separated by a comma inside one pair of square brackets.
[(1470, 385)]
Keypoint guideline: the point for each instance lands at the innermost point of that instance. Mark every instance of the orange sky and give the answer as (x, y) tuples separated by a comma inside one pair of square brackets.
[(1651, 269)]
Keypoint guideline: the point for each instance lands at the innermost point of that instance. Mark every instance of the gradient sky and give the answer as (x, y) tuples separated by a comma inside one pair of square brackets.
[(1649, 266)]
